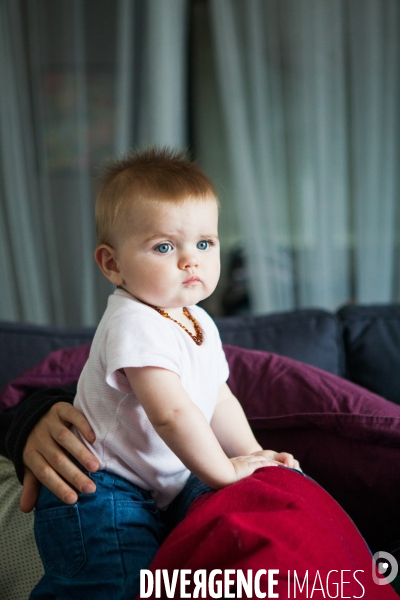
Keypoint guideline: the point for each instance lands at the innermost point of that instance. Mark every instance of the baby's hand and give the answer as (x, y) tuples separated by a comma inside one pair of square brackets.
[(283, 458), (246, 465)]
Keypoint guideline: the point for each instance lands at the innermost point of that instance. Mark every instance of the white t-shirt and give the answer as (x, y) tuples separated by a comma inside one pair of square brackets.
[(132, 334)]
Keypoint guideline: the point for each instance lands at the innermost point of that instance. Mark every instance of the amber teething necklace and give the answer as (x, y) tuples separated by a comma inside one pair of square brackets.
[(198, 338)]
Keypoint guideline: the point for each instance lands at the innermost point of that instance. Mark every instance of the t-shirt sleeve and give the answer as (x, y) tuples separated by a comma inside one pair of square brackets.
[(138, 341)]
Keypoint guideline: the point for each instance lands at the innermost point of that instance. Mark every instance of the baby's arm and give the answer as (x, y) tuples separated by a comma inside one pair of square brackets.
[(233, 431), (185, 430)]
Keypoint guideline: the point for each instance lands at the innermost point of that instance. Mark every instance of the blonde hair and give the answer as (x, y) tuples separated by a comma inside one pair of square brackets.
[(154, 174)]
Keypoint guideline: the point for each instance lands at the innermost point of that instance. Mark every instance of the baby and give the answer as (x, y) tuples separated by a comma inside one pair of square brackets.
[(154, 387)]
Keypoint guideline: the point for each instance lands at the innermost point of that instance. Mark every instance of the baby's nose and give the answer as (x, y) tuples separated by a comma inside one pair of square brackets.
[(188, 260)]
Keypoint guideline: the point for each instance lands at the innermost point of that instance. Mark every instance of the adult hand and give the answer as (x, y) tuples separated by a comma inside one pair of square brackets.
[(46, 460)]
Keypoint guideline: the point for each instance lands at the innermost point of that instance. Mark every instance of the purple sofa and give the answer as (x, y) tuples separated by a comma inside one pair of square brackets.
[(301, 394)]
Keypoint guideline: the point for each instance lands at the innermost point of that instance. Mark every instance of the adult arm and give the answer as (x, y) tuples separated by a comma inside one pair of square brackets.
[(37, 440), (23, 418)]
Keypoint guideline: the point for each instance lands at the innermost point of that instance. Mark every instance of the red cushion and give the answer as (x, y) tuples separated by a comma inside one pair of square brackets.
[(275, 519)]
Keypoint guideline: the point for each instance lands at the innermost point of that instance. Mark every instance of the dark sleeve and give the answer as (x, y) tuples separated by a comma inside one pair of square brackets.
[(17, 423)]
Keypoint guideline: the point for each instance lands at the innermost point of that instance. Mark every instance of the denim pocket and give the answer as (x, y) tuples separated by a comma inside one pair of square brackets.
[(62, 523), (139, 532)]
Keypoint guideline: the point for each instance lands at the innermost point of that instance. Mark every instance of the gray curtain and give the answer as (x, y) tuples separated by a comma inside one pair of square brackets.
[(80, 80), (309, 94), (295, 117)]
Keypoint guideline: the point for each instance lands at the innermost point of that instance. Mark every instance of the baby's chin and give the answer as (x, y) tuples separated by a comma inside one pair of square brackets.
[(189, 296), (195, 298), (188, 300)]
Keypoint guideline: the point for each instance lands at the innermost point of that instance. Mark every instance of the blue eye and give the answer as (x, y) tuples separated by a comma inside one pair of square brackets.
[(203, 245), (163, 248)]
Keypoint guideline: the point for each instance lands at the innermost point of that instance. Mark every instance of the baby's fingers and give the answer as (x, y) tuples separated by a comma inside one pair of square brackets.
[(288, 460), (285, 458)]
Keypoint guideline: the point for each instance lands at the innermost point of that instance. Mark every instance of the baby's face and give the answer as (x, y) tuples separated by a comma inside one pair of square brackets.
[(170, 257)]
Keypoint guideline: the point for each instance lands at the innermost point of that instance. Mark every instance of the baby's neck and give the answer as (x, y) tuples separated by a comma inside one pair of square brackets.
[(175, 313)]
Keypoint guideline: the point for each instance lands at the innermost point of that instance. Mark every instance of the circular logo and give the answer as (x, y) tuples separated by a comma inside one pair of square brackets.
[(387, 567)]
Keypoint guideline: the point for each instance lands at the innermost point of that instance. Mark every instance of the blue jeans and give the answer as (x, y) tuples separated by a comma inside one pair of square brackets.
[(95, 549)]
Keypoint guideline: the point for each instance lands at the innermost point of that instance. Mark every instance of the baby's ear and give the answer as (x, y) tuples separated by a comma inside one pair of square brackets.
[(106, 258)]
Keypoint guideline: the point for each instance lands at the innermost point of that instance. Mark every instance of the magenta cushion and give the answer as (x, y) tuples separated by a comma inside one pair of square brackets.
[(276, 392), (279, 393), (59, 368)]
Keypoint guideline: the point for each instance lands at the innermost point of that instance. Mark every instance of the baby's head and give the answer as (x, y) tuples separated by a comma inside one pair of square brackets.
[(157, 228)]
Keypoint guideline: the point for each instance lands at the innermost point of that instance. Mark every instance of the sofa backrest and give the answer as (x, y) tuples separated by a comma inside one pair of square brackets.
[(23, 346), (371, 336), (312, 336), (361, 343), (309, 335)]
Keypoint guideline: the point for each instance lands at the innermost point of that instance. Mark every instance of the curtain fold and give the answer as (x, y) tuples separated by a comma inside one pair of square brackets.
[(23, 289), (315, 108), (124, 84), (244, 98), (374, 32), (164, 67)]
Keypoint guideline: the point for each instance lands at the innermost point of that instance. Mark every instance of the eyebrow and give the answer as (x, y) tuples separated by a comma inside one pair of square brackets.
[(162, 234), (158, 235)]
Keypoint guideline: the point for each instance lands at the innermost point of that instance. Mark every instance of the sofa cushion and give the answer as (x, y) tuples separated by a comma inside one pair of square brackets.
[(277, 392), (345, 437), (22, 346), (372, 345), (59, 369), (309, 335)]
